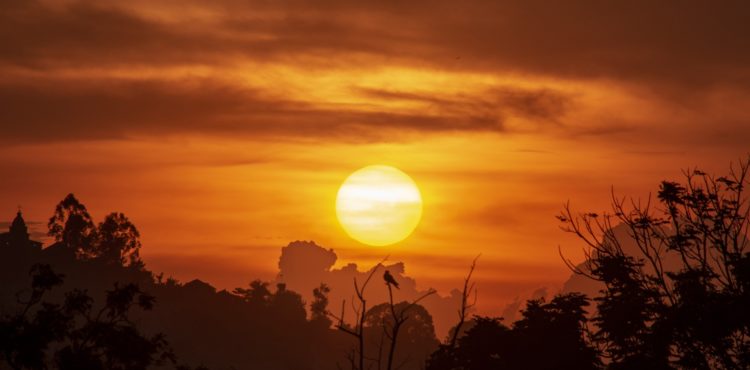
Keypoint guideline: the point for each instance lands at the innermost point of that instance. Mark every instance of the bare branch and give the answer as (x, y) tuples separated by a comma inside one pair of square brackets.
[(465, 305)]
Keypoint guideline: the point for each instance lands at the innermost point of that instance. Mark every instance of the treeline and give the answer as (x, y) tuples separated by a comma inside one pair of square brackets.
[(675, 294), (88, 302)]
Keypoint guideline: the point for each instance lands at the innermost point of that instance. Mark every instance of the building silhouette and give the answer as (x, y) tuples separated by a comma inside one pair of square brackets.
[(17, 237)]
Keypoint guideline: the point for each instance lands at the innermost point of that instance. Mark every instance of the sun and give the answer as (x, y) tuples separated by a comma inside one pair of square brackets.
[(379, 205)]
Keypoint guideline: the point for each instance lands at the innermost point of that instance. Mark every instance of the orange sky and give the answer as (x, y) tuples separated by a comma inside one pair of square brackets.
[(223, 130)]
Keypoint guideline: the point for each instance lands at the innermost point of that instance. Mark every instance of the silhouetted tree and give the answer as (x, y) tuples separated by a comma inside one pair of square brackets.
[(399, 315), (72, 225), (319, 306), (680, 298), (485, 345), (288, 305), (26, 336), (627, 316), (258, 292), (80, 336), (409, 336), (467, 303), (261, 326), (107, 339), (552, 335), (549, 336), (117, 240), (445, 356), (357, 362)]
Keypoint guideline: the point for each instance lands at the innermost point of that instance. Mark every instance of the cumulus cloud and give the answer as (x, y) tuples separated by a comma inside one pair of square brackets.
[(303, 265)]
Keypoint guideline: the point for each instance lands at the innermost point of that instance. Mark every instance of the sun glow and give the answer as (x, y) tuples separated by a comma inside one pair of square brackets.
[(379, 205)]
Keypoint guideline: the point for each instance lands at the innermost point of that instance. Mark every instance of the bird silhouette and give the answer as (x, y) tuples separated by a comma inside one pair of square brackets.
[(389, 279)]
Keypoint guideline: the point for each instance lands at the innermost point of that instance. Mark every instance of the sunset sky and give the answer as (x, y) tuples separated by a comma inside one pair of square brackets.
[(223, 129)]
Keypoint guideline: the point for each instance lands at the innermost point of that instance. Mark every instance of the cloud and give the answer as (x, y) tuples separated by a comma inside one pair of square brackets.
[(304, 265), (42, 36), (693, 44), (545, 105), (78, 109), (673, 53)]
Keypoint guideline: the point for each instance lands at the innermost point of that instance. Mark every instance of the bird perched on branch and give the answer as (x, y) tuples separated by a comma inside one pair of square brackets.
[(389, 279)]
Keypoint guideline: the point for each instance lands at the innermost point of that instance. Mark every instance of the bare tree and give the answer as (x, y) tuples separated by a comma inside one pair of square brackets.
[(466, 305), (360, 309), (399, 318)]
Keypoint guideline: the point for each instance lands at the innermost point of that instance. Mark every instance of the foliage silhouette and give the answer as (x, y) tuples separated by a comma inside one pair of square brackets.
[(319, 307), (258, 326), (72, 226), (81, 337), (115, 240), (407, 337), (549, 336), (680, 299), (118, 240)]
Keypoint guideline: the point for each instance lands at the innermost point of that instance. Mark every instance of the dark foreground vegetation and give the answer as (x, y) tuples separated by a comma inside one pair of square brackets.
[(673, 277)]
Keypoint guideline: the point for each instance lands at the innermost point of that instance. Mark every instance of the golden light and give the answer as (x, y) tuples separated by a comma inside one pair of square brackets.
[(379, 205)]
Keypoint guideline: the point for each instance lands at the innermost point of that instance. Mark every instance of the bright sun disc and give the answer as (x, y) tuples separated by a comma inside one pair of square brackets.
[(379, 205)]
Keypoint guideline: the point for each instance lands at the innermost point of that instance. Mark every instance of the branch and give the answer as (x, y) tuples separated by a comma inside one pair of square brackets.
[(465, 306)]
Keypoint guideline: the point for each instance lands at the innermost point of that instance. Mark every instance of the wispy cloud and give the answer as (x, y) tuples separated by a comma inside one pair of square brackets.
[(692, 43)]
